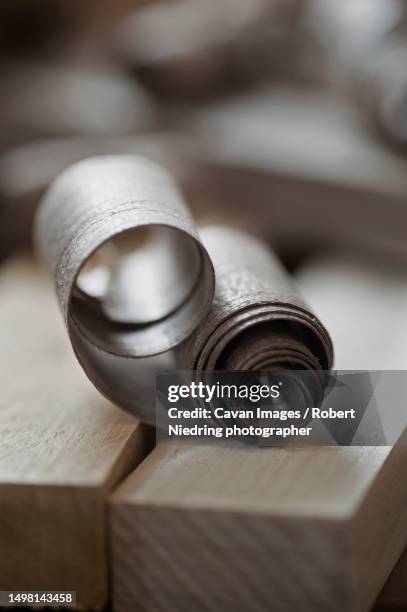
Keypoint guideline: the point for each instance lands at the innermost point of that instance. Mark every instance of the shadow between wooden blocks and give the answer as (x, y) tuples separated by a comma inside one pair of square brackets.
[(394, 593)]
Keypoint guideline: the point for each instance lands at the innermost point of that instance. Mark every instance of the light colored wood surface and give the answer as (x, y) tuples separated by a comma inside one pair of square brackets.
[(210, 528), (362, 301), (62, 448), (311, 529), (379, 294)]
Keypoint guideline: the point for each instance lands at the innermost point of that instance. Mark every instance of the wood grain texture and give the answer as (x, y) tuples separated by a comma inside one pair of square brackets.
[(253, 289), (62, 449), (100, 200), (227, 528), (212, 528), (379, 293)]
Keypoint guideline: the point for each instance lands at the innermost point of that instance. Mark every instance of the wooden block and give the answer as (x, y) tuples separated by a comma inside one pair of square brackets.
[(216, 528), (394, 593), (62, 449), (362, 301), (310, 529), (378, 293)]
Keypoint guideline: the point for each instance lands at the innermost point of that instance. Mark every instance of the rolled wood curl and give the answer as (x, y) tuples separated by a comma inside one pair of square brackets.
[(258, 321), (257, 318), (97, 200), (252, 319)]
